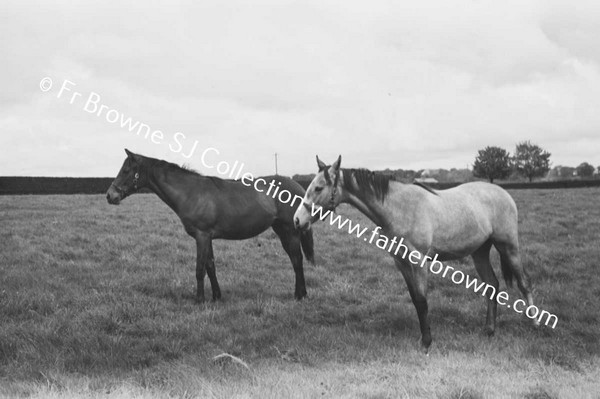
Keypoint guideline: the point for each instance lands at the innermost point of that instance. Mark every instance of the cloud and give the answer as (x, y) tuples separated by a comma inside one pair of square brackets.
[(386, 84)]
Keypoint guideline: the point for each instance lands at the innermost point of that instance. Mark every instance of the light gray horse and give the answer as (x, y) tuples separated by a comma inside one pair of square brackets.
[(454, 223)]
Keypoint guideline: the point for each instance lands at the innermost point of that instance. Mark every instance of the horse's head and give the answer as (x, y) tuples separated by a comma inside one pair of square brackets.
[(129, 179), (323, 192)]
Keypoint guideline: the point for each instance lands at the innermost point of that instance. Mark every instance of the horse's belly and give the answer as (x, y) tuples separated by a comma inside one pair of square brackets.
[(446, 253), (243, 228), (457, 240)]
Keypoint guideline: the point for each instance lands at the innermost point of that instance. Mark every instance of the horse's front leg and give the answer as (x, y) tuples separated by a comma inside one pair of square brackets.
[(203, 245), (416, 281)]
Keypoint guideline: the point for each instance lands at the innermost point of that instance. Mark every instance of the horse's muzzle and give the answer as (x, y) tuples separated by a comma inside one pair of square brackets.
[(300, 227), (113, 198)]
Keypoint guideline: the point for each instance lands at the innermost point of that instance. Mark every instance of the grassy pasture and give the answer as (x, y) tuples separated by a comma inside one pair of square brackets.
[(98, 301)]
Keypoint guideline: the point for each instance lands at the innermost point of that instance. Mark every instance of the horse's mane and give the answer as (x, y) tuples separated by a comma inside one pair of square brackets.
[(188, 170), (369, 183), (431, 190)]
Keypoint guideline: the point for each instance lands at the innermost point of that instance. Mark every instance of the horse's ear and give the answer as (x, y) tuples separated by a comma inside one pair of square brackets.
[(135, 157), (336, 164), (321, 164)]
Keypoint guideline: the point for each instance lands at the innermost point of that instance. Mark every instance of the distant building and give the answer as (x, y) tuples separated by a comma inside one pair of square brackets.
[(561, 173), (431, 172), (425, 180)]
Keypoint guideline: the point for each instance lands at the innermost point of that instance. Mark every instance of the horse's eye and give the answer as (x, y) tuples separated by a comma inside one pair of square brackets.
[(318, 189)]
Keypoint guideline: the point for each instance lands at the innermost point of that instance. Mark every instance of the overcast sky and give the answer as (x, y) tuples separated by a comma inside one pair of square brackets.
[(398, 84)]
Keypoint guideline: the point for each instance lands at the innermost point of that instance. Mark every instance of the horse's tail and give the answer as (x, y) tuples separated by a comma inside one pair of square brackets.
[(306, 239)]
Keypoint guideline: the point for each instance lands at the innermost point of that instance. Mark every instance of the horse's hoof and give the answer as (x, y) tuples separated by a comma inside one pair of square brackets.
[(489, 331), (300, 296), (425, 347)]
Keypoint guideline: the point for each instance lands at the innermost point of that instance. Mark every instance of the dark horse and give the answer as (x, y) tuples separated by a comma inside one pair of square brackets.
[(211, 208)]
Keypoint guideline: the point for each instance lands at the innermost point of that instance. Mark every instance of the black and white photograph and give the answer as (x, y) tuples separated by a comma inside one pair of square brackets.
[(300, 199)]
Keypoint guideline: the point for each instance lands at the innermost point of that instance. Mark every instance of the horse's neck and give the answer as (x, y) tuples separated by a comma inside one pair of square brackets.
[(377, 211), (366, 205), (170, 188), (161, 185)]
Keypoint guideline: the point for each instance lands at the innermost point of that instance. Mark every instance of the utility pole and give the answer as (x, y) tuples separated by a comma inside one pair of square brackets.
[(276, 163)]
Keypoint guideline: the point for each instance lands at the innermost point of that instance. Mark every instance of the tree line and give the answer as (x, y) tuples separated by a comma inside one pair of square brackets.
[(529, 160)]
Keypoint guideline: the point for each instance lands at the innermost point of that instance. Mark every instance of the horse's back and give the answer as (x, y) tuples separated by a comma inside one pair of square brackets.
[(278, 195), (289, 196), (483, 196), (489, 205), (460, 219), (286, 183)]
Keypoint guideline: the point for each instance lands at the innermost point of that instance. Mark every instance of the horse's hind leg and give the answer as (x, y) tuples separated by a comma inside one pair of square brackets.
[(481, 259), (212, 274), (290, 240), (512, 266)]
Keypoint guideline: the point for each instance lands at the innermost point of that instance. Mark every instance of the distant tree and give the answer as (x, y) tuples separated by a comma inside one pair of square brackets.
[(531, 160), (585, 170), (406, 175), (492, 163)]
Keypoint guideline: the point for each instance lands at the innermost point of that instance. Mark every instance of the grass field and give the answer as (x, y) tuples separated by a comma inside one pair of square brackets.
[(98, 301)]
